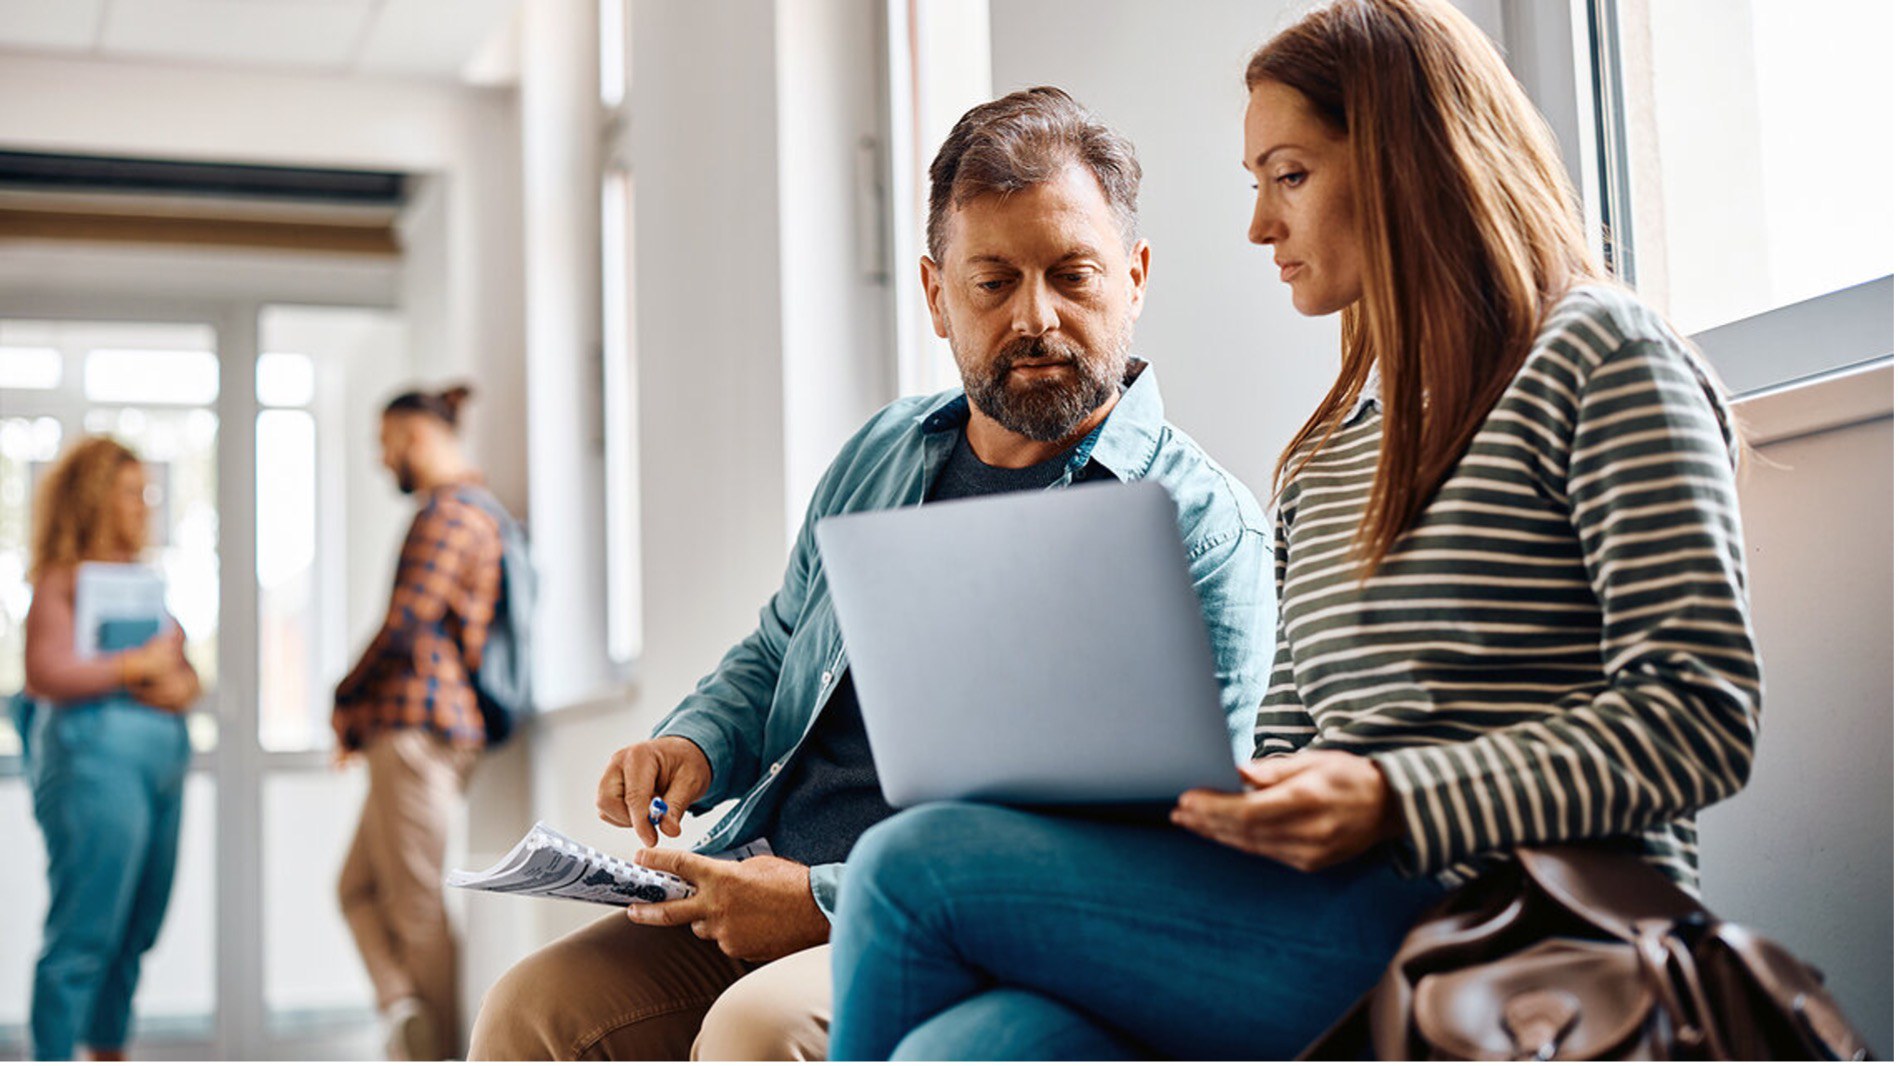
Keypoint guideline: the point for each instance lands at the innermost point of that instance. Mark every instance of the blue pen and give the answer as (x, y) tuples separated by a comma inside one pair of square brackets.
[(656, 811)]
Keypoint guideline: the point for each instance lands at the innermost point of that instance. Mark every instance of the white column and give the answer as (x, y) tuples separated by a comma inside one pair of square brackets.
[(560, 137), (708, 330)]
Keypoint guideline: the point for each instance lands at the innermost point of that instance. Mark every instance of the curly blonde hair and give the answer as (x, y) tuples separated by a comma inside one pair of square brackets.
[(71, 520)]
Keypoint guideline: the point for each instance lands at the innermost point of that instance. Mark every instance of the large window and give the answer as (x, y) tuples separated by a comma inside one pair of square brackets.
[(290, 705), (939, 68), (1748, 150)]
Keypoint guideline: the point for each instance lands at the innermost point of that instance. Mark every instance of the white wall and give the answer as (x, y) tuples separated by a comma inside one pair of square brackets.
[(1240, 369), (1804, 853)]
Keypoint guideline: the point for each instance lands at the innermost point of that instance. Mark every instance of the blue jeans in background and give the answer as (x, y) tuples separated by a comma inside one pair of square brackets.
[(968, 931), (108, 781)]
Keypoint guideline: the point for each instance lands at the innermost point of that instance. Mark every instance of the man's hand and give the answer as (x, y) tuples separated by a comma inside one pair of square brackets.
[(1309, 810), (671, 767), (757, 910)]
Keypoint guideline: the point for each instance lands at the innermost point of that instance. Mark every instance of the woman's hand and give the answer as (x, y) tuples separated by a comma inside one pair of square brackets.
[(1309, 810), (156, 657), (174, 690)]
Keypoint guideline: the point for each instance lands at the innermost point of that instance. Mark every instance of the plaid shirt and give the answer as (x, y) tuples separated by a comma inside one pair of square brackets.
[(416, 673)]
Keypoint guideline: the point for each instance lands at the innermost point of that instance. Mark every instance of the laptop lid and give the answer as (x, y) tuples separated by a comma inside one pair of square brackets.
[(1030, 648)]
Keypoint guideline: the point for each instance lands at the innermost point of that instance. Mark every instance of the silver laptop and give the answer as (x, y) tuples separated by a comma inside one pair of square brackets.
[(1038, 648)]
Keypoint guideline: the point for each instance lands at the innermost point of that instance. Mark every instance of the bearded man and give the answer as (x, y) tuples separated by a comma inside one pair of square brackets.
[(1035, 275)]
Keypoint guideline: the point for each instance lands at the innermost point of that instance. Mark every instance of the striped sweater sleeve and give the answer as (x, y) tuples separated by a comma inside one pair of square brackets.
[(1649, 479), (1283, 726)]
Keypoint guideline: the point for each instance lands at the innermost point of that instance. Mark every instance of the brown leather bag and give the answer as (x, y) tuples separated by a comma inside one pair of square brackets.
[(1587, 952)]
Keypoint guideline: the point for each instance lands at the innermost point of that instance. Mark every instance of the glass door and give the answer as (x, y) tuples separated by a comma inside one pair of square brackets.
[(329, 524), (277, 534), (155, 387)]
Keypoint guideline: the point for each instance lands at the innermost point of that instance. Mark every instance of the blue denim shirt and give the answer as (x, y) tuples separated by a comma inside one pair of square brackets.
[(751, 713)]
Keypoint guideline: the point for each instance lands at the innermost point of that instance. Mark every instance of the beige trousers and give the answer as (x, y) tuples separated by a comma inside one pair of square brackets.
[(391, 884), (615, 990)]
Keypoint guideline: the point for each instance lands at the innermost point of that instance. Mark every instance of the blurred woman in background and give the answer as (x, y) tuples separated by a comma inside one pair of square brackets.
[(107, 755)]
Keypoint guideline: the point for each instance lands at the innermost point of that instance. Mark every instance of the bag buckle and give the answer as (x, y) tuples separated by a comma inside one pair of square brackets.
[(1538, 1020)]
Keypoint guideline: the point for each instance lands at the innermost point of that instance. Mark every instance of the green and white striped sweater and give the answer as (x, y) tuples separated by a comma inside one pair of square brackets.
[(1559, 648)]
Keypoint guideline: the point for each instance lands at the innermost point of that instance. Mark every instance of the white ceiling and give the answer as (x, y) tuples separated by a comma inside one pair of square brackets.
[(453, 40)]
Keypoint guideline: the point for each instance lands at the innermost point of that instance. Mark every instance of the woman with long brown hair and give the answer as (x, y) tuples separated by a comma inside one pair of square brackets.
[(1511, 607), (107, 754)]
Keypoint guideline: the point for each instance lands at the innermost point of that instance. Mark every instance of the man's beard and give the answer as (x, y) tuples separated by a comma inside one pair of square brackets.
[(1045, 408)]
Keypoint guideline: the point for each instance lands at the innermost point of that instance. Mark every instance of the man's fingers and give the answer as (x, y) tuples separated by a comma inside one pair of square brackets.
[(672, 912), (693, 867), (641, 769), (607, 796), (680, 794)]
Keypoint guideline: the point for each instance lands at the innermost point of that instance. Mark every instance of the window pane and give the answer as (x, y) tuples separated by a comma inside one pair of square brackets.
[(1759, 151), (130, 375), (29, 368), (312, 975), (27, 445), (289, 700), (285, 379), (613, 72), (620, 411)]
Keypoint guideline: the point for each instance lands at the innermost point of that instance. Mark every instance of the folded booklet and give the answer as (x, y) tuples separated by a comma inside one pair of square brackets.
[(550, 864)]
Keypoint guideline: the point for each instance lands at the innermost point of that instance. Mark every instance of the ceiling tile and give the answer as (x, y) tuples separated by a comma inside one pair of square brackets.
[(56, 24), (293, 33), (430, 38)]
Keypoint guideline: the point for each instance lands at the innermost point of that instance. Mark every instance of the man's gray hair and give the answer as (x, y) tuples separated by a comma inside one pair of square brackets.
[(1024, 139)]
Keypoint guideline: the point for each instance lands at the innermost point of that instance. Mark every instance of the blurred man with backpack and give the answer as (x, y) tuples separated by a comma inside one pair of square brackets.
[(446, 676)]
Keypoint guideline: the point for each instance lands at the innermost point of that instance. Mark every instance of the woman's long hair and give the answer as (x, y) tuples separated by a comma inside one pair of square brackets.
[(72, 519), (1470, 230)]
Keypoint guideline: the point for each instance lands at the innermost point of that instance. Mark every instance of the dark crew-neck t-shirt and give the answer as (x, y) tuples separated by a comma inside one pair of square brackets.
[(831, 794)]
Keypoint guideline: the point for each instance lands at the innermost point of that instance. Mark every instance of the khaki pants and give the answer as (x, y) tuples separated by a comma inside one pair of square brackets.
[(615, 990), (391, 884)]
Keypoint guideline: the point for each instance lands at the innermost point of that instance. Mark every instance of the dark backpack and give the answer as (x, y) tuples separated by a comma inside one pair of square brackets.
[(504, 683)]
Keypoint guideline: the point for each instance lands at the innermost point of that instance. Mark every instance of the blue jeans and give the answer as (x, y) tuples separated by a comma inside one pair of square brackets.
[(968, 931), (108, 783)]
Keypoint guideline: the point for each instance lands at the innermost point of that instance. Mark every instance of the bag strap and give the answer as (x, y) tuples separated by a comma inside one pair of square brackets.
[(1610, 888), (480, 498)]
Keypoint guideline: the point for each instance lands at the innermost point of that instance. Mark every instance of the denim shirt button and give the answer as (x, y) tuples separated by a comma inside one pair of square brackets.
[(775, 767), (826, 679)]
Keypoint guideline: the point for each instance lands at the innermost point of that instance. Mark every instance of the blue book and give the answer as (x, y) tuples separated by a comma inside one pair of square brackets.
[(118, 634)]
